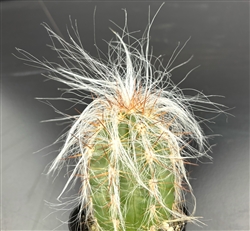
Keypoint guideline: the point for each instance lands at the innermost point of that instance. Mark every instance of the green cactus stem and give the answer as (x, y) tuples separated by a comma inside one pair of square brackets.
[(138, 204)]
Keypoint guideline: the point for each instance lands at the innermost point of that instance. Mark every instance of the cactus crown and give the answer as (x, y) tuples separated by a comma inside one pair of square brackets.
[(131, 143)]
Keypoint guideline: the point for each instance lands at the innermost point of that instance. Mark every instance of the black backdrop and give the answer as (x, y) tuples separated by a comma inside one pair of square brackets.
[(220, 44)]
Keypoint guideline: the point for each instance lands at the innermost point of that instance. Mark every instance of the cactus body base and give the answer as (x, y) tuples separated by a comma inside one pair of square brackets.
[(75, 224)]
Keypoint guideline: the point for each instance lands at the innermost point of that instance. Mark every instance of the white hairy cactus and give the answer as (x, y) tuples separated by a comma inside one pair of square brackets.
[(131, 143)]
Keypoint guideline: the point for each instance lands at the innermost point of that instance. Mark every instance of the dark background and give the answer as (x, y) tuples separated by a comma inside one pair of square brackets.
[(220, 44)]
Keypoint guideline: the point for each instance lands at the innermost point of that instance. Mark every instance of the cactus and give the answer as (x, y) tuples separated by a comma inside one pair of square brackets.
[(131, 143)]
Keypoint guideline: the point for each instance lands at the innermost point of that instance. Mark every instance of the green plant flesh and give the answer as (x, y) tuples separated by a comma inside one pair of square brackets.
[(139, 205)]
